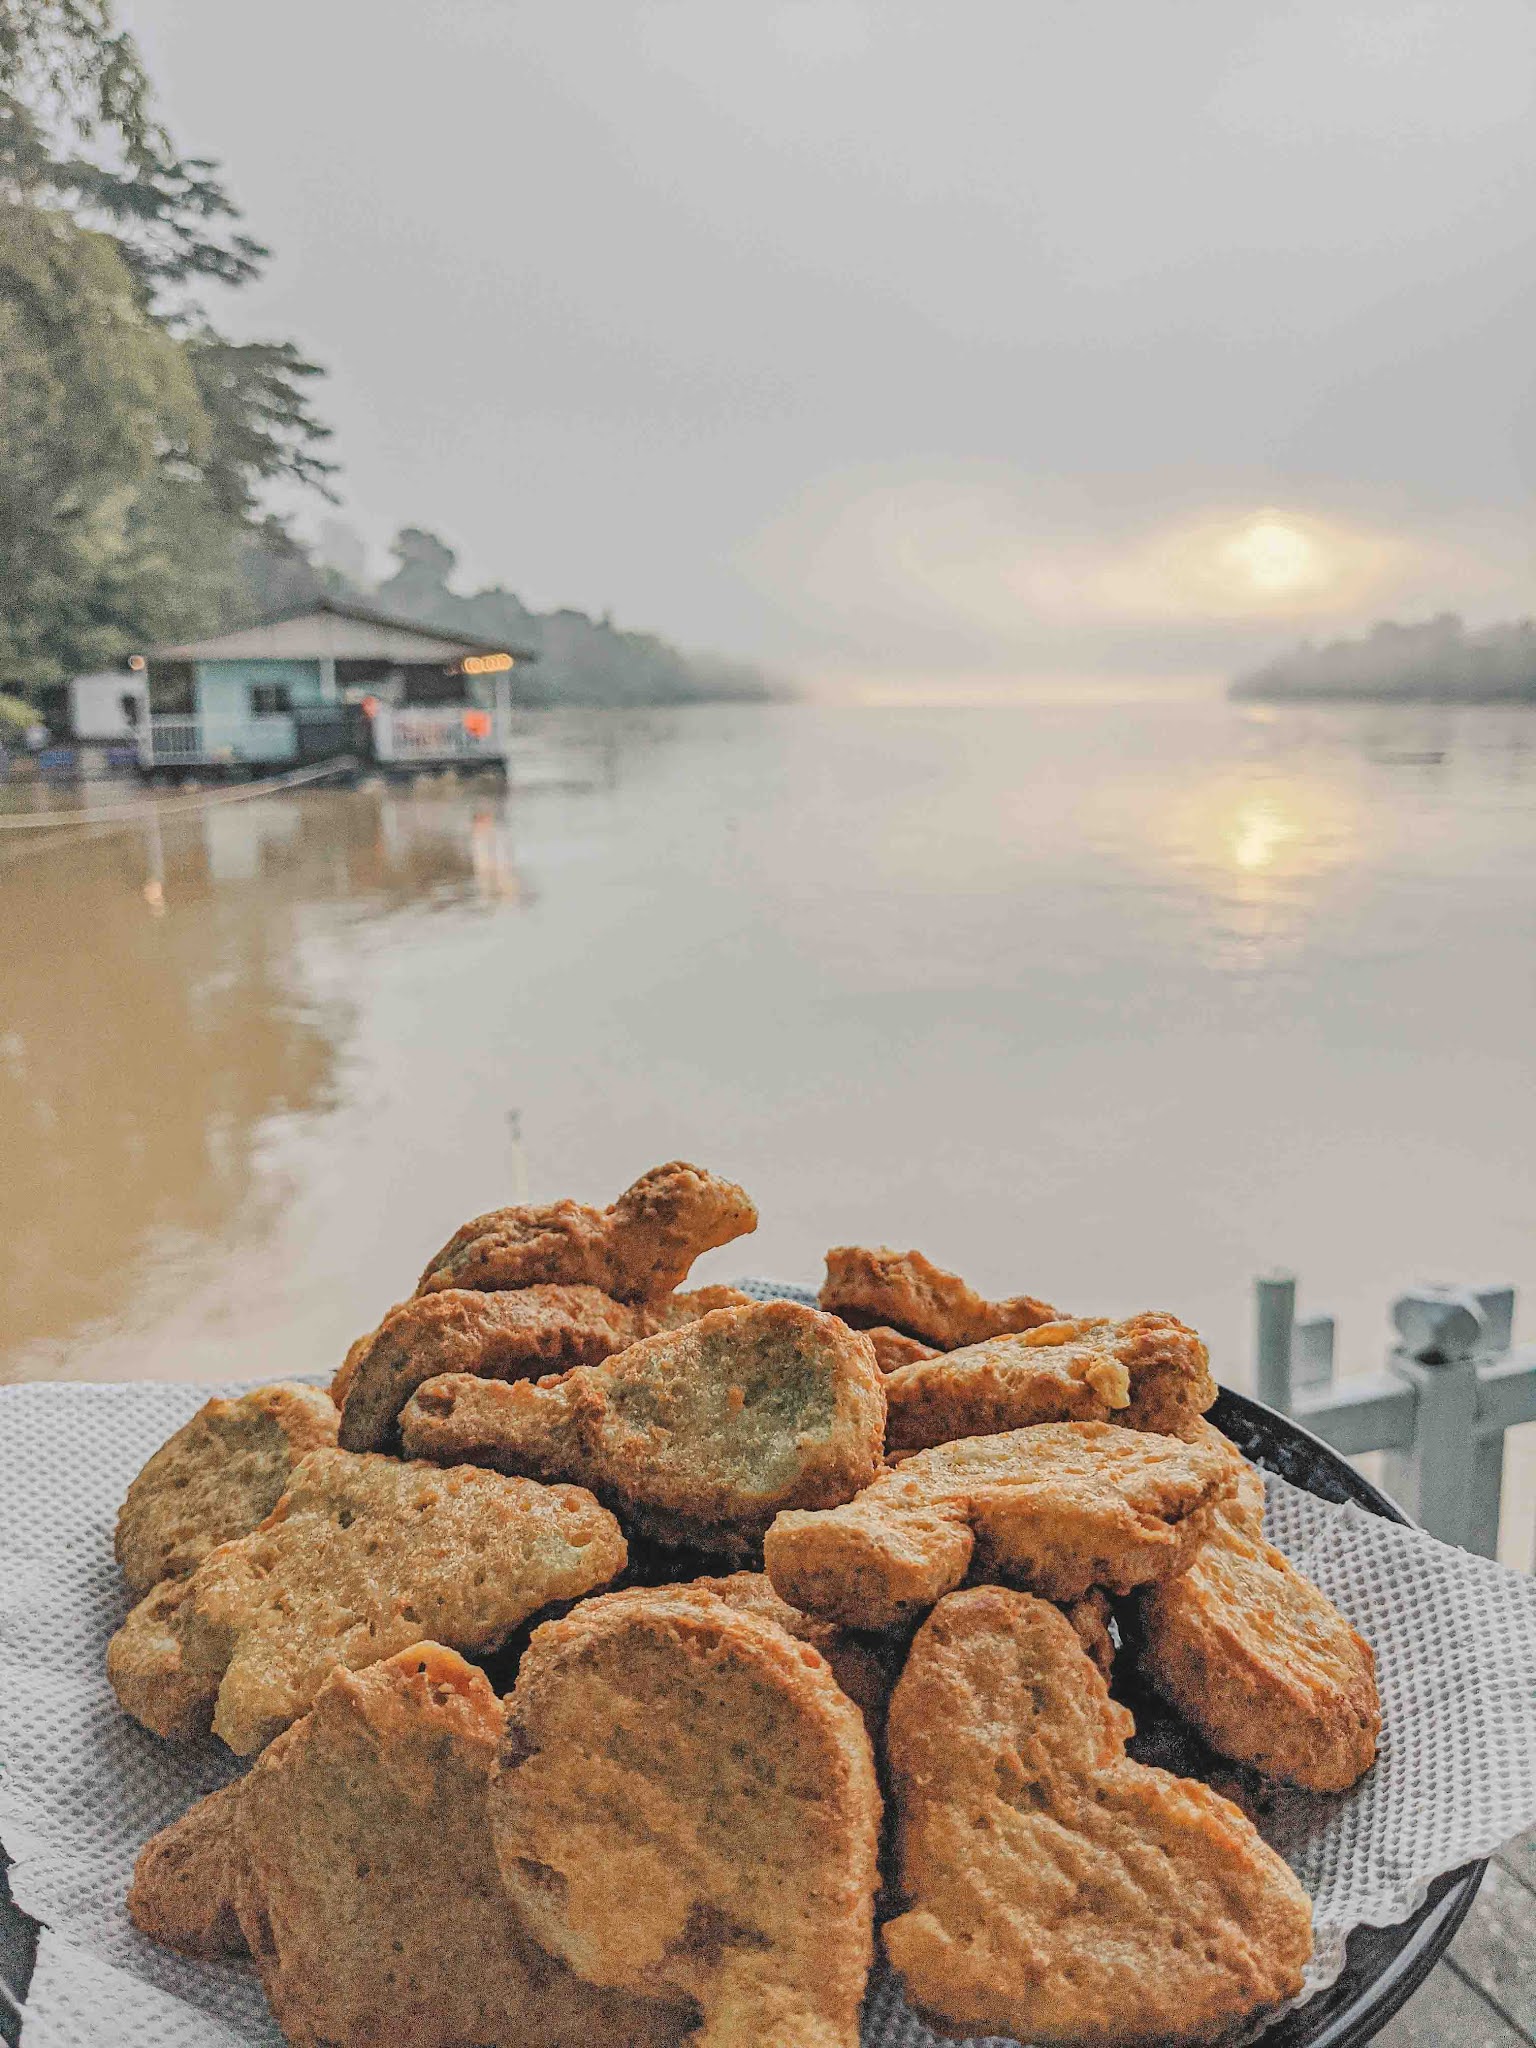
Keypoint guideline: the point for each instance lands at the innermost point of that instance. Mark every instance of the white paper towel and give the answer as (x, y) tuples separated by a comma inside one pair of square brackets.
[(83, 1786)]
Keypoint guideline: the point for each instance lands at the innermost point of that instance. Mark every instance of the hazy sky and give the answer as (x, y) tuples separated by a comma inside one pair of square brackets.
[(992, 336)]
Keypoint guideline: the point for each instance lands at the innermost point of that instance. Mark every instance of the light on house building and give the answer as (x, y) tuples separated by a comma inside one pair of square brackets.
[(486, 664)]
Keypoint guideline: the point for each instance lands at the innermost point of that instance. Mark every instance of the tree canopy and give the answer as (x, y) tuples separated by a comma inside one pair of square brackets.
[(135, 438)]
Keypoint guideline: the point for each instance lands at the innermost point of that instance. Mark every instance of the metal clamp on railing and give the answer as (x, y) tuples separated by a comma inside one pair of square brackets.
[(1454, 1383)]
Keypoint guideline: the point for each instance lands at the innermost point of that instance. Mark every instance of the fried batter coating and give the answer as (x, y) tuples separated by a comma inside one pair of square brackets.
[(1261, 1662), (636, 1250), (1058, 1892), (513, 1334), (360, 1555), (686, 1807), (863, 1667), (1090, 1619), (368, 1887), (183, 1890), (148, 1669), (217, 1477), (1150, 1372), (695, 1436), (919, 1299), (1058, 1508), (893, 1350)]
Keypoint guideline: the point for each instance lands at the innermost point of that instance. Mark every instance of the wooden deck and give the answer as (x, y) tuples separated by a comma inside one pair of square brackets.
[(1484, 1994)]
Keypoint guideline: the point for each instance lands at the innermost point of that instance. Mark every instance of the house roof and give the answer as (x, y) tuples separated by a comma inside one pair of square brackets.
[(327, 629)]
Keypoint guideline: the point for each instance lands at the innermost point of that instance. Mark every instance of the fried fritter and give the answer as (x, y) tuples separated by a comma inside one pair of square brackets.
[(148, 1670), (511, 1334), (217, 1477), (360, 1556), (1058, 1508), (368, 1887), (183, 1890), (636, 1250), (1090, 1618), (1150, 1372), (862, 1666), (697, 1436), (919, 1299), (893, 1350), (686, 1807), (1261, 1662), (1057, 1891)]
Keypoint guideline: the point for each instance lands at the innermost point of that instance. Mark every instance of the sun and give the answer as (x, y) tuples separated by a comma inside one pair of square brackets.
[(1273, 557)]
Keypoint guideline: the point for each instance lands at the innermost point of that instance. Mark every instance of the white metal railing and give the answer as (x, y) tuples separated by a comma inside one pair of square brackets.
[(453, 732), (175, 742)]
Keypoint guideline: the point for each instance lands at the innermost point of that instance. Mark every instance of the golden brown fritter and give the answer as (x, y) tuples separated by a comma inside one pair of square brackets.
[(1149, 1372), (217, 1477), (696, 1436), (863, 1666), (1090, 1618), (893, 1350), (1057, 1892), (368, 1887), (516, 1334), (637, 1250), (1261, 1662), (914, 1296), (183, 1890), (1058, 1508), (686, 1808), (360, 1556), (148, 1670)]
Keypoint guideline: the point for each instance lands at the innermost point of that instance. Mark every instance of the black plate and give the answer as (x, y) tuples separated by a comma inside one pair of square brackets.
[(1384, 1966)]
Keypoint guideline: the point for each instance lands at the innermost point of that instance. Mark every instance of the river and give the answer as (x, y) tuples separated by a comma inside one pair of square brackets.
[(1117, 997)]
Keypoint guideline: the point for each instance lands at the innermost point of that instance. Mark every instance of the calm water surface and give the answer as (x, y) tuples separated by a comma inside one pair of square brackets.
[(1118, 1001)]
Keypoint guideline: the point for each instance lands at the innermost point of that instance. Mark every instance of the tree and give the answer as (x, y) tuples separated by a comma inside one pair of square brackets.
[(135, 439)]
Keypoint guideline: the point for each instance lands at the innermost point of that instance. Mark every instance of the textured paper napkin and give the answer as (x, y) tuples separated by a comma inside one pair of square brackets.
[(82, 1786)]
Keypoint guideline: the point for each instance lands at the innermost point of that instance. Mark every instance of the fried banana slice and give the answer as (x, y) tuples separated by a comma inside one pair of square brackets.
[(1261, 1661), (687, 1808), (695, 1436), (1149, 1372), (1058, 1508), (516, 1334), (862, 1667), (1058, 1892), (893, 1350), (183, 1890), (360, 1556), (636, 1250), (919, 1299), (217, 1477), (368, 1889)]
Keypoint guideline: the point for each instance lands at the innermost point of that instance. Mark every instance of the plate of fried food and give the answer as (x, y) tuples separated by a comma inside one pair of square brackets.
[(621, 1664)]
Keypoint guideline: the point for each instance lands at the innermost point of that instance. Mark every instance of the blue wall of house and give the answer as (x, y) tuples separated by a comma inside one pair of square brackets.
[(224, 687)]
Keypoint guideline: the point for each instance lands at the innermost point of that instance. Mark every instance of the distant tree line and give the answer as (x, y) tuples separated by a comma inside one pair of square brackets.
[(137, 441), (581, 660), (1435, 661)]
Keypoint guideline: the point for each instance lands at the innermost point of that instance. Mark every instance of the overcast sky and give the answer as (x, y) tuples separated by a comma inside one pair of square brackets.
[(1004, 336)]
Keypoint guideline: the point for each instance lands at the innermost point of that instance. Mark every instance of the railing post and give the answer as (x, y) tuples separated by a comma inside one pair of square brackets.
[(1275, 1323), (1441, 1329)]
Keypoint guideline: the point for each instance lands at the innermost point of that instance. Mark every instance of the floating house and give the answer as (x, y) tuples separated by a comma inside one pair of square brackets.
[(331, 679)]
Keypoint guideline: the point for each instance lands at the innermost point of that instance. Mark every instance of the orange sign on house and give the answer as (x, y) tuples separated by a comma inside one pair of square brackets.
[(478, 724)]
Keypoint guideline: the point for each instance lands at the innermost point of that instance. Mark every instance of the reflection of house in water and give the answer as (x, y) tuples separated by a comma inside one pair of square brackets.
[(331, 679), (136, 1125)]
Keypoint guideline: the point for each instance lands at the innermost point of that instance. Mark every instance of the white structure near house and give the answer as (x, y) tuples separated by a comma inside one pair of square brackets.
[(108, 708), (309, 685)]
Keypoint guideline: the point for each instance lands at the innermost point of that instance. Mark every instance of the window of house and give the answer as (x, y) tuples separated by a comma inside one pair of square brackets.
[(269, 699)]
